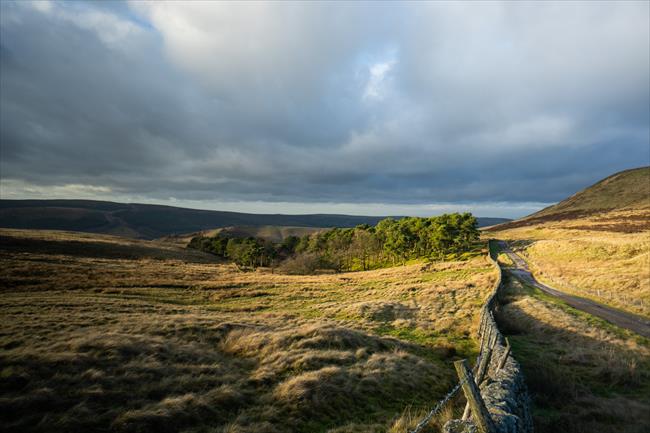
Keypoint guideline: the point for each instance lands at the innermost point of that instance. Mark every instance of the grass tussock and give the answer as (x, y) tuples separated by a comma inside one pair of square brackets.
[(93, 341), (410, 418), (584, 374)]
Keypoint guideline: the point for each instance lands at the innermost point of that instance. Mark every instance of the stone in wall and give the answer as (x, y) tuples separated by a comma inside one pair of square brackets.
[(504, 390)]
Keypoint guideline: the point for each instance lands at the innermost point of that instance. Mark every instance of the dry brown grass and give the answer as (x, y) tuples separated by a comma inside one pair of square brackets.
[(98, 338), (587, 258), (584, 374), (410, 418)]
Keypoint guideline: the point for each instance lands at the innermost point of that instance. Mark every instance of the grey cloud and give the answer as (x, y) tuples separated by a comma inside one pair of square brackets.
[(479, 102)]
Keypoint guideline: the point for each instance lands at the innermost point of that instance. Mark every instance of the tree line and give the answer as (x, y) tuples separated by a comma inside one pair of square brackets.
[(363, 247)]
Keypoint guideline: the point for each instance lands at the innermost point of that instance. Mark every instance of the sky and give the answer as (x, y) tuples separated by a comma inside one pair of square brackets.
[(498, 108)]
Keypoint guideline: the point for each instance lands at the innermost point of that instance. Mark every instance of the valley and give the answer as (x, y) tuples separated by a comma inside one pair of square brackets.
[(324, 216), (101, 338), (108, 333), (149, 221)]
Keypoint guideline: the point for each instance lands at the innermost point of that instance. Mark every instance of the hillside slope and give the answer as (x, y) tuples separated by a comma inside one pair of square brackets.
[(138, 342), (595, 244), (629, 189), (627, 193), (154, 221), (270, 233)]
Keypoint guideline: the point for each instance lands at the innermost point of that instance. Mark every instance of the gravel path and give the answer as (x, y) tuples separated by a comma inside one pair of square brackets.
[(626, 320)]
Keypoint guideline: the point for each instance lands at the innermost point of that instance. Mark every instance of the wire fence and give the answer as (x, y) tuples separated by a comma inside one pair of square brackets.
[(493, 354), (437, 408), (484, 312)]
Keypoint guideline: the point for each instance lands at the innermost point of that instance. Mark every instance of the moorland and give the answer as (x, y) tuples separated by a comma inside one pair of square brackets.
[(188, 333), (101, 332)]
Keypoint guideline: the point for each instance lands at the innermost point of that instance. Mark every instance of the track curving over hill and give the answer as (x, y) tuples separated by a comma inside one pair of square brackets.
[(623, 319)]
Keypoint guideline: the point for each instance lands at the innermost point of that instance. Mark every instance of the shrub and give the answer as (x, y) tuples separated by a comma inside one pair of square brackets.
[(301, 264)]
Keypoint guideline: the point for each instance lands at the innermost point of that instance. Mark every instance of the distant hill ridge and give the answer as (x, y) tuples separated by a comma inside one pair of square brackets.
[(627, 190), (270, 233), (147, 221)]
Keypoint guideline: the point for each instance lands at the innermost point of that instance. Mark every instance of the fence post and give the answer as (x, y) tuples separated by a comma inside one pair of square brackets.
[(482, 342), (480, 413), (482, 368), (480, 373), (492, 338), (504, 358)]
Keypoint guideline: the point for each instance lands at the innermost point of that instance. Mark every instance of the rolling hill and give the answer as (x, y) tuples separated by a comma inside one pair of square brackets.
[(270, 233), (629, 189), (594, 244), (618, 202), (148, 221), (147, 337)]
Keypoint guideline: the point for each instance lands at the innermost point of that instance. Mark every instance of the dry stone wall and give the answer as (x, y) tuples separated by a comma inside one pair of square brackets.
[(503, 388)]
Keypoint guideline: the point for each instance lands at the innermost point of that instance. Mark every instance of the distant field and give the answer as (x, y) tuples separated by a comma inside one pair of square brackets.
[(53, 242), (584, 374), (105, 333), (270, 233), (605, 257)]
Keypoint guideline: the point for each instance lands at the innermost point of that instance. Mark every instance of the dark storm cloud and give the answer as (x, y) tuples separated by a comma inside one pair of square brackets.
[(417, 103)]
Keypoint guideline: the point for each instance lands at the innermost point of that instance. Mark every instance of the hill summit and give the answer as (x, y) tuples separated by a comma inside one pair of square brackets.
[(620, 202), (629, 189)]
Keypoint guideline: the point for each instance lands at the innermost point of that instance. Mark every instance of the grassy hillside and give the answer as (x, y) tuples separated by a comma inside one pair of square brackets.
[(627, 193), (270, 233), (14, 241), (96, 339), (594, 244), (629, 189), (584, 374), (154, 221), (609, 267)]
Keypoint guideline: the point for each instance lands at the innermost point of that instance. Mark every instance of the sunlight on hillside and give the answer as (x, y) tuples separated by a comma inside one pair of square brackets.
[(584, 374), (162, 343), (610, 265)]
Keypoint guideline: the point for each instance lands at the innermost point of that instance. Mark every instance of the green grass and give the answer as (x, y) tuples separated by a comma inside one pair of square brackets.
[(587, 318), (454, 274), (584, 373), (99, 344)]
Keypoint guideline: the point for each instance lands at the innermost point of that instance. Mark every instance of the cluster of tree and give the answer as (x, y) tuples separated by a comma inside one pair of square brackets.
[(249, 251), (363, 247)]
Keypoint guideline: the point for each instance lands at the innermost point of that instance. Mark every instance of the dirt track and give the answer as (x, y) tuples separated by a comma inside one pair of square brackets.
[(626, 320)]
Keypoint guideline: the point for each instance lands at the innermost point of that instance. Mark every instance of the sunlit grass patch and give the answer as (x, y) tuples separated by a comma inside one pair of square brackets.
[(610, 267), (133, 344), (582, 371), (504, 260)]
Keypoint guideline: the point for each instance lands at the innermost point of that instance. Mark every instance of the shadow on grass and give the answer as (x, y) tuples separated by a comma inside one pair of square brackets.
[(98, 249), (204, 377), (579, 384)]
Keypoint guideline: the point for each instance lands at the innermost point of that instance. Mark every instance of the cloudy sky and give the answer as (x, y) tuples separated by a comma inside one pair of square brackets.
[(376, 108)]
